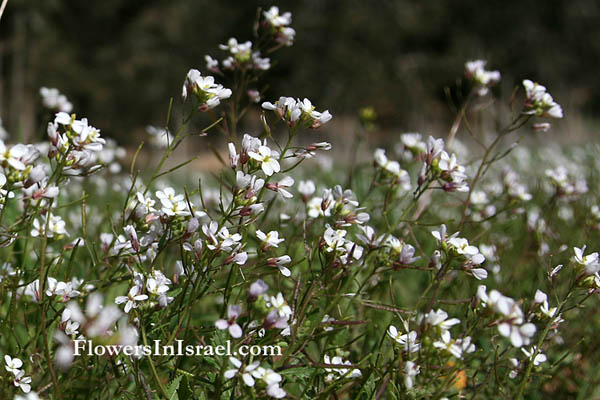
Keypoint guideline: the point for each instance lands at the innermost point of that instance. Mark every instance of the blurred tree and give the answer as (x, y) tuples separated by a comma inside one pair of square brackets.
[(120, 61)]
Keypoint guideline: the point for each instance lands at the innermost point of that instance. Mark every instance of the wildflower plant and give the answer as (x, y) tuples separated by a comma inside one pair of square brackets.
[(359, 285)]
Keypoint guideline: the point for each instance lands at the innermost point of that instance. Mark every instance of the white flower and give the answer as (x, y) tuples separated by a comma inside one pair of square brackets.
[(465, 344), (208, 93), (146, 202), (335, 239), (275, 391), (270, 239), (133, 238), (306, 188), (539, 358), (433, 149), (452, 173), (392, 167), (275, 19), (56, 226), (317, 207), (97, 320), (440, 318), (169, 194), (23, 382), (131, 299), (410, 370), (281, 186), (286, 36), (155, 287), (475, 70), (542, 299), (369, 236), (233, 156), (33, 291), (447, 344), (54, 100), (267, 375), (295, 110), (540, 296), (71, 328), (233, 312), (267, 158), (246, 372), (12, 155), (280, 262), (211, 63), (239, 49), (257, 289), (539, 102), (590, 262), (555, 270), (408, 340), (413, 142), (519, 334), (351, 373), (29, 396), (279, 303), (462, 246), (479, 273), (12, 364), (260, 63), (174, 208)]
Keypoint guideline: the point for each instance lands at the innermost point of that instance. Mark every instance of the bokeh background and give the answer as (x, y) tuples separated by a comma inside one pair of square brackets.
[(119, 61)]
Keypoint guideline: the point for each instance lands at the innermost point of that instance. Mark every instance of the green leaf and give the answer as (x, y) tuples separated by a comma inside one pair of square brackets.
[(185, 391), (172, 387)]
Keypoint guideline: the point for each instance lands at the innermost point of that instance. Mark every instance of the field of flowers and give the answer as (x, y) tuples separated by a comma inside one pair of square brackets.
[(448, 266)]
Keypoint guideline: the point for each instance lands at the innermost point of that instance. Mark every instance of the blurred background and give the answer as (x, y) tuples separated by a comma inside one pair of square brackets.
[(119, 61)]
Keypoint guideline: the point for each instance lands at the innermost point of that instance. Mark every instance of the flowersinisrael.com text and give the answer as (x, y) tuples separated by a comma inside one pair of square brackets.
[(86, 347)]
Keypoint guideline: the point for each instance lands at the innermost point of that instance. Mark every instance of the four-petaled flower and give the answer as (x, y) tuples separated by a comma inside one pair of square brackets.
[(268, 159), (132, 298), (233, 313)]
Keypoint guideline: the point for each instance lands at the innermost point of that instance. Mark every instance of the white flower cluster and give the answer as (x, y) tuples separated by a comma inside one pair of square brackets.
[(512, 324), (294, 111), (54, 100), (97, 322), (208, 93), (13, 365), (514, 188), (241, 55), (74, 142), (469, 255), (407, 340), (539, 102), (336, 202), (566, 186), (253, 371), (401, 254), (400, 176), (279, 25), (438, 164), (483, 79), (590, 262), (55, 224), (64, 291), (335, 373)]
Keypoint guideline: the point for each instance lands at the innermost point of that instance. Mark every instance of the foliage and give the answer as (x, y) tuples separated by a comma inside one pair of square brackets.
[(443, 271)]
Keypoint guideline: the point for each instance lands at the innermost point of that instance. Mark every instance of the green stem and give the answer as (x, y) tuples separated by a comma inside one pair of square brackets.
[(538, 346), (152, 367)]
